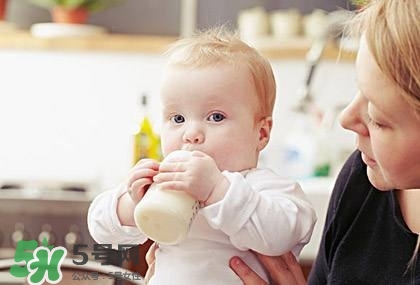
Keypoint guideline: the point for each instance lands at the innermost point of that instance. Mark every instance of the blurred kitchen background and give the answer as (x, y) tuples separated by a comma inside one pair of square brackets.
[(162, 17), (69, 106)]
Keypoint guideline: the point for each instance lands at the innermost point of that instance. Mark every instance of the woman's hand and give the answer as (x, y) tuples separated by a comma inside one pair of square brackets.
[(150, 259), (284, 270)]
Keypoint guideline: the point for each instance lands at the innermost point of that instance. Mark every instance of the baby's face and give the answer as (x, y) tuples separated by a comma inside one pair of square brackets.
[(213, 110)]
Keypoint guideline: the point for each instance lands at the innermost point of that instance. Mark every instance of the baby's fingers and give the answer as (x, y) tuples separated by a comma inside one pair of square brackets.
[(139, 174), (138, 188), (147, 163), (177, 166)]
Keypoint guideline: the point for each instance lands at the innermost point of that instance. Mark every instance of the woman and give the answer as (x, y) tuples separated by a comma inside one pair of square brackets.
[(371, 234)]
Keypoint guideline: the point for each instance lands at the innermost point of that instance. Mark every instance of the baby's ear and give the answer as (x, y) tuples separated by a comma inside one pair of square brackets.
[(264, 127)]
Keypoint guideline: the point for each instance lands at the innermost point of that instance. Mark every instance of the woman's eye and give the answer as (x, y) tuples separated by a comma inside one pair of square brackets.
[(216, 117), (373, 123), (178, 119)]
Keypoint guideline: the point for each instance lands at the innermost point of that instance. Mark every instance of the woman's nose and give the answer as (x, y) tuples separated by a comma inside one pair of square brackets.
[(352, 117), (193, 134)]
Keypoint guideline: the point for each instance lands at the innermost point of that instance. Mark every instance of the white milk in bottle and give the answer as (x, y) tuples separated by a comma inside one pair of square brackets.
[(165, 216)]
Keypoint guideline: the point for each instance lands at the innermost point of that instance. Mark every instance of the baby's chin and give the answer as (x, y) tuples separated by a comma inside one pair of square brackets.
[(236, 167)]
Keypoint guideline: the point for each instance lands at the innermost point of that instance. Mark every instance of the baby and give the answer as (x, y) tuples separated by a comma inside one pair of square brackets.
[(218, 96)]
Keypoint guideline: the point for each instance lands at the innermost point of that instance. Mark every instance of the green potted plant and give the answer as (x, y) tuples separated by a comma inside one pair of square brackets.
[(74, 11)]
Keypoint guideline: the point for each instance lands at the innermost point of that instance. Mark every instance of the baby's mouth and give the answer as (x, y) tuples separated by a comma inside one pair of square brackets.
[(188, 147)]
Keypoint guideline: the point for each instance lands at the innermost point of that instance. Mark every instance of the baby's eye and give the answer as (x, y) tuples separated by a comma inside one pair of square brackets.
[(177, 119), (216, 117)]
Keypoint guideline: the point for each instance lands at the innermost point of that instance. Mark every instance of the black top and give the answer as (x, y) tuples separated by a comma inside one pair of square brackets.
[(365, 239)]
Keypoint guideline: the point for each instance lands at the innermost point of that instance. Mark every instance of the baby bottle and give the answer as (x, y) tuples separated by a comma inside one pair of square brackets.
[(165, 216)]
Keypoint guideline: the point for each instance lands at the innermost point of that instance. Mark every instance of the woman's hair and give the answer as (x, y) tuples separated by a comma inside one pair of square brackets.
[(392, 31), (220, 46)]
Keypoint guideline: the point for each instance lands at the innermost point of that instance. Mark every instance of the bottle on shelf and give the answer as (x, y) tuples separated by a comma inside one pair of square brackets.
[(146, 143)]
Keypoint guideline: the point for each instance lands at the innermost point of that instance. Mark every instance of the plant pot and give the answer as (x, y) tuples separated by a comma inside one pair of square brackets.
[(3, 6), (69, 16)]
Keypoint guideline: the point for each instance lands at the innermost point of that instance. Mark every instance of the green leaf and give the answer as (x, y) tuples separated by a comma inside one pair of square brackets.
[(360, 2), (90, 5)]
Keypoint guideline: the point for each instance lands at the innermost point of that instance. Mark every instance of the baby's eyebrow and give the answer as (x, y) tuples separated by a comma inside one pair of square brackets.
[(170, 107)]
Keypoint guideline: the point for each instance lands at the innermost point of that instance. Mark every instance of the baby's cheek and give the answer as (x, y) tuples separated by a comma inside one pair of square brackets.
[(169, 144)]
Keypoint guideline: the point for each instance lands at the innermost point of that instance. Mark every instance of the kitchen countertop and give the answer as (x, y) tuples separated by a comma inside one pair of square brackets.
[(270, 47)]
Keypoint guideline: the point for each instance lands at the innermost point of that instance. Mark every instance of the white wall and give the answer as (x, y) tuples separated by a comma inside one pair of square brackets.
[(70, 115)]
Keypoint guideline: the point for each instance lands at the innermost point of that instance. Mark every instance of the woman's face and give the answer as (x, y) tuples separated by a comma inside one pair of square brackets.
[(387, 128)]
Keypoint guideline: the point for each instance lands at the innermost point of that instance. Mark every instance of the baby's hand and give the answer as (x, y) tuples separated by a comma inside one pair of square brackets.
[(197, 175), (140, 178)]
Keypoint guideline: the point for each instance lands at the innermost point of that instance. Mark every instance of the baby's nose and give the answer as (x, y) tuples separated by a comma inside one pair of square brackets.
[(193, 135)]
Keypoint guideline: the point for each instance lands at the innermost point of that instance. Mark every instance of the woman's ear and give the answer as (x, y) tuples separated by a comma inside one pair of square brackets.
[(264, 128)]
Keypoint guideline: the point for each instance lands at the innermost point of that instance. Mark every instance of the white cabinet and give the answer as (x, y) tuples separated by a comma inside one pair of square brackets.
[(70, 115)]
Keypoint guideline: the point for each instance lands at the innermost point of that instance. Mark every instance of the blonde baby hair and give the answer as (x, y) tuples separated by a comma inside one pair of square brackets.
[(219, 45)]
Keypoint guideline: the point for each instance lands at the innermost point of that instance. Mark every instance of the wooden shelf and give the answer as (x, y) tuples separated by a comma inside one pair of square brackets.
[(298, 48), (272, 48), (107, 42)]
